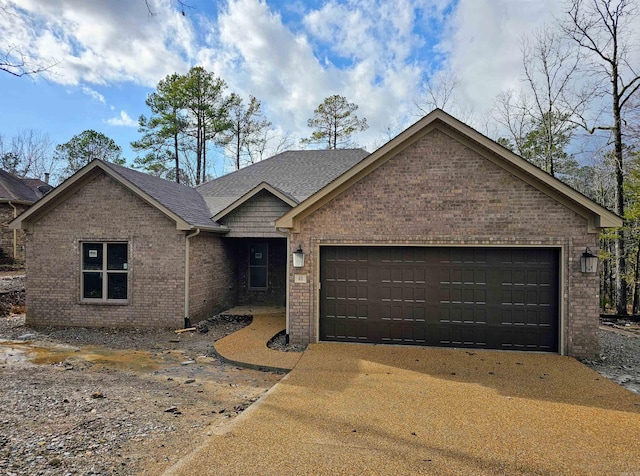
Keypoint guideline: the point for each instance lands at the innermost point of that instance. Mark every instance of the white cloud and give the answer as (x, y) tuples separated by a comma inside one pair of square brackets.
[(122, 120), (92, 93), (483, 45), (100, 42), (372, 45), (375, 52)]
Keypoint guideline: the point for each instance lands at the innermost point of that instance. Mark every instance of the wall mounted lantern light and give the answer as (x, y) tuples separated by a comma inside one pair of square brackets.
[(588, 262), (298, 258)]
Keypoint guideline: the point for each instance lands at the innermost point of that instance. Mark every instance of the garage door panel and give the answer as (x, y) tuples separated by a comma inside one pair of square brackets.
[(498, 298), (462, 336)]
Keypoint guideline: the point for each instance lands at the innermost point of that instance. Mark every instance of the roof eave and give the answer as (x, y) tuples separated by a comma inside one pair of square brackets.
[(16, 201), (597, 215), (250, 194), (75, 181)]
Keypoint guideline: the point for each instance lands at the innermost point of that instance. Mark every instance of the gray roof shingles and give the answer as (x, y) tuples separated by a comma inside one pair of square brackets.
[(26, 190), (184, 201), (298, 174)]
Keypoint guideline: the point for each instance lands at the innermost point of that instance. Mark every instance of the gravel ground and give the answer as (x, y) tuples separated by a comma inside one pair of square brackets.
[(114, 402), (619, 354), (81, 401)]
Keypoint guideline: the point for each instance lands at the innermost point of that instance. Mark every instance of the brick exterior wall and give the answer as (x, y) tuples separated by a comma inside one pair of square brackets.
[(440, 192), (211, 276), (6, 234), (103, 210), (275, 294), (256, 217)]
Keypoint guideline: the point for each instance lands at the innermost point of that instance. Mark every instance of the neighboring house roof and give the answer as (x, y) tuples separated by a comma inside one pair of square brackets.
[(180, 203), (21, 190), (597, 216), (296, 174)]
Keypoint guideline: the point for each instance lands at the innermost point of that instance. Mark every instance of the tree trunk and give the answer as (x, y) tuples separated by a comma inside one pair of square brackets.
[(636, 278), (204, 151), (177, 156), (198, 148), (238, 146), (621, 283)]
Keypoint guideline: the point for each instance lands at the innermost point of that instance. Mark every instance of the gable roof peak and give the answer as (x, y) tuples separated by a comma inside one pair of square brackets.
[(296, 174), (597, 215)]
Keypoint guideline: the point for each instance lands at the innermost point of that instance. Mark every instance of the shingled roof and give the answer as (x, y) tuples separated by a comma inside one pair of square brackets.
[(298, 174), (21, 190), (184, 201)]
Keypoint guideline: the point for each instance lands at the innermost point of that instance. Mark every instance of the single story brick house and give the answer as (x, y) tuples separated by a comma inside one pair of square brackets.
[(16, 195), (440, 237)]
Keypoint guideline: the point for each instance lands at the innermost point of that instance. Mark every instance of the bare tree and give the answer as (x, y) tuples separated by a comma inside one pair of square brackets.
[(511, 110), (539, 118), (15, 61), (603, 29), (439, 92), (28, 154), (183, 5), (550, 66), (247, 131), (268, 143)]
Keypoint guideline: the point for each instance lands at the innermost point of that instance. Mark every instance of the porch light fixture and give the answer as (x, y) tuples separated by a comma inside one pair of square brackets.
[(298, 258), (588, 262)]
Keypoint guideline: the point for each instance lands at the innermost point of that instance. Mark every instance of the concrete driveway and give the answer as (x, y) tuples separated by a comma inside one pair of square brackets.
[(360, 409)]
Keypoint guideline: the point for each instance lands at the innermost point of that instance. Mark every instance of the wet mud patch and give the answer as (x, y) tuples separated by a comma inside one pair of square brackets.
[(132, 406)]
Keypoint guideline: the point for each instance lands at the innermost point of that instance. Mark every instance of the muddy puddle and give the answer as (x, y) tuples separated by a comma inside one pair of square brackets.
[(16, 352)]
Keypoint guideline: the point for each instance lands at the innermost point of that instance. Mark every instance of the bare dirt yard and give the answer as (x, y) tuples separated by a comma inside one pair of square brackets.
[(114, 402), (77, 401)]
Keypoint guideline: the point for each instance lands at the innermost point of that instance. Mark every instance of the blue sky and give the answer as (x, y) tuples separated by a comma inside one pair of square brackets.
[(289, 54)]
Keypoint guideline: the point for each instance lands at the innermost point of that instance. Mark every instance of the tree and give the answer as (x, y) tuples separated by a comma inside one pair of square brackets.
[(545, 143), (439, 92), (604, 30), (85, 147), (550, 65), (334, 122), (632, 225), (28, 154), (247, 132), (15, 61), (269, 142), (539, 117), (208, 113), (188, 112), (165, 130)]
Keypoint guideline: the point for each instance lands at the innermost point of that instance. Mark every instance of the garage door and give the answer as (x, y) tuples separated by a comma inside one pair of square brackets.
[(494, 298)]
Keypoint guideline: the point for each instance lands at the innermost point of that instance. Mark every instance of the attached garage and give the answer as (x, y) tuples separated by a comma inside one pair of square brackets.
[(442, 237), (492, 298)]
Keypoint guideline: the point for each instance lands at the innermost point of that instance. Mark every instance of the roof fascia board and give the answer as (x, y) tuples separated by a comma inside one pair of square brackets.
[(74, 183), (250, 194), (510, 161), (16, 202), (292, 218), (212, 229), (534, 179), (58, 194), (181, 224), (526, 171)]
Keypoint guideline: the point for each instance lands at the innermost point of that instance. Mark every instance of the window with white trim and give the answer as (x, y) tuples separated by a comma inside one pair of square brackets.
[(105, 271)]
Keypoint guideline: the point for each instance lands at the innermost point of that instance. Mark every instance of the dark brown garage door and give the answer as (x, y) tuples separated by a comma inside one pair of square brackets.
[(494, 298)]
